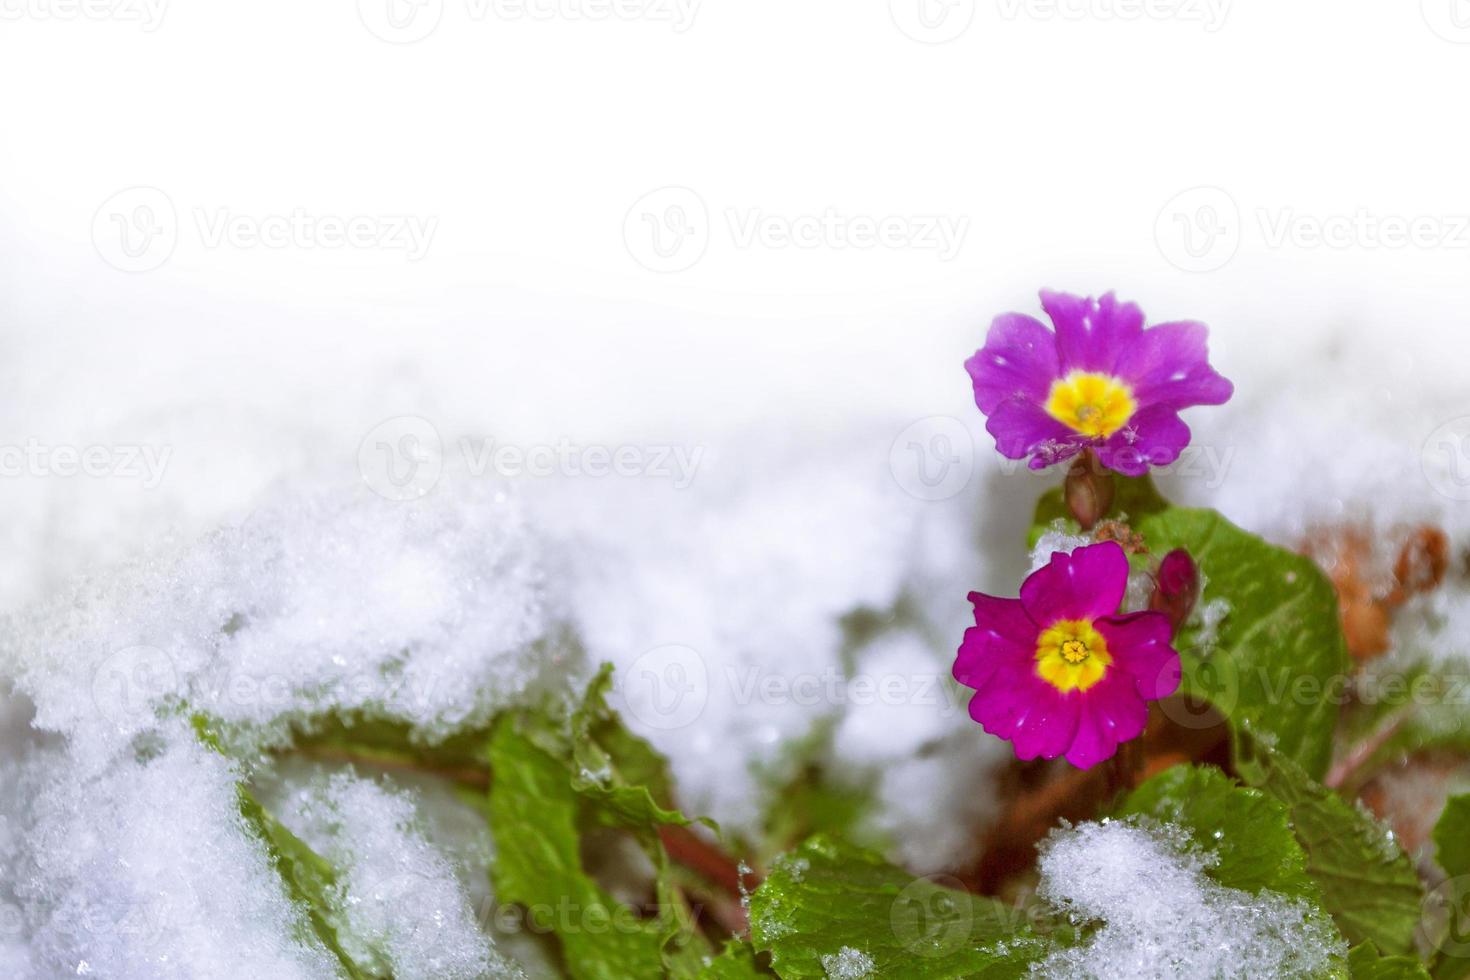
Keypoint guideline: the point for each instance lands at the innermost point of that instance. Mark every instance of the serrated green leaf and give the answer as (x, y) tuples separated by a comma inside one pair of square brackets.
[(827, 897), (534, 814), (617, 768), (557, 772), (1368, 884), (1366, 963), (1279, 657), (1249, 831)]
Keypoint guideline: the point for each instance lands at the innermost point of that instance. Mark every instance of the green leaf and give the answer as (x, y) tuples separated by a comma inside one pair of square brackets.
[(1249, 831), (1367, 882), (1366, 963), (390, 743), (559, 773), (617, 768), (1452, 836), (827, 897), (534, 814), (1282, 640), (1279, 653), (310, 881), (737, 962), (1451, 899)]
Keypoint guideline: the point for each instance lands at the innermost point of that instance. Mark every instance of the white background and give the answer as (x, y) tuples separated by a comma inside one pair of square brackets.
[(1062, 136)]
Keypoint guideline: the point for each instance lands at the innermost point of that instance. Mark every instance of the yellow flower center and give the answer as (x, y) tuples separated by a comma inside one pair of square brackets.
[(1093, 404), (1071, 655)]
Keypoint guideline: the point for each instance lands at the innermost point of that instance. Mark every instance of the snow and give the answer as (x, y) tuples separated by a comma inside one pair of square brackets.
[(912, 740), (848, 964), (145, 870), (320, 601), (1162, 916)]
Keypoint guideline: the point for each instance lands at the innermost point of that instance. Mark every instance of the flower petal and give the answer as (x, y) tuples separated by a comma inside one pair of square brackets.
[(1087, 584), (1034, 716), (1022, 428), (1154, 436), (1091, 333), (1140, 646), (1002, 634), (1169, 365), (1019, 358), (1111, 713)]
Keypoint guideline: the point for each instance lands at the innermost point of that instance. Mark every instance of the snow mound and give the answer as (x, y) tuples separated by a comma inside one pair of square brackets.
[(1162, 916)]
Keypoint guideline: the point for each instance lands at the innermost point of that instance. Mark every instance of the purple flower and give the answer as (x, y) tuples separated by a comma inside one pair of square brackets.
[(1101, 381), (1058, 671)]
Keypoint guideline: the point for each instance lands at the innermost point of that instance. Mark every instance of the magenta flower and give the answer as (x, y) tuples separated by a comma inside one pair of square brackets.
[(1058, 671), (1101, 381)]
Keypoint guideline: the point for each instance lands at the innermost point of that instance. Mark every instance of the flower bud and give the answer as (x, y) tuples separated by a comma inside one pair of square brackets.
[(1088, 491), (1176, 587)]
